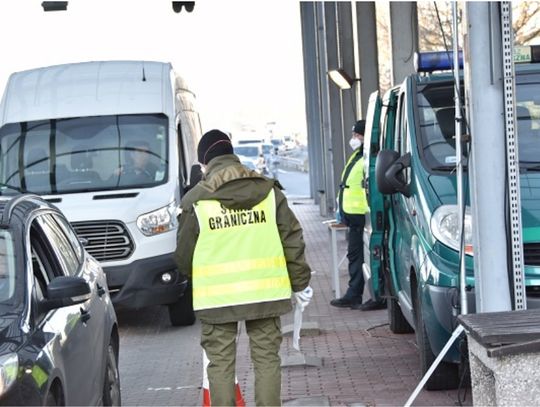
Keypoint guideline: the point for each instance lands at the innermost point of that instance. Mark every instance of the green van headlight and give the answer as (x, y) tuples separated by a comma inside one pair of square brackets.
[(445, 227)]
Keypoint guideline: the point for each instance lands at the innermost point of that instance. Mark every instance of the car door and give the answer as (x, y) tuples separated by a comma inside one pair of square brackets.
[(75, 324), (400, 231), (97, 306), (373, 229)]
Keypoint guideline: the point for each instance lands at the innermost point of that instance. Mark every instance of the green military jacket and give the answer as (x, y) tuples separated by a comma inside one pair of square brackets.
[(237, 187)]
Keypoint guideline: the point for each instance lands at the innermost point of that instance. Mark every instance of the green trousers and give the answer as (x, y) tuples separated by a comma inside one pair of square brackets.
[(219, 342)]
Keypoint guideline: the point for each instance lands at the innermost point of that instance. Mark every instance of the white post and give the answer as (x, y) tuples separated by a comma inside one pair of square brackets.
[(484, 84)]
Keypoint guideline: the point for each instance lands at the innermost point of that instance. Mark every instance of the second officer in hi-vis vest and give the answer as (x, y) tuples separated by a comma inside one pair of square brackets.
[(353, 207), (243, 249)]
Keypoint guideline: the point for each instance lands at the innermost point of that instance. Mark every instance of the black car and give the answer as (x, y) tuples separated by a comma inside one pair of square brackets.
[(59, 337)]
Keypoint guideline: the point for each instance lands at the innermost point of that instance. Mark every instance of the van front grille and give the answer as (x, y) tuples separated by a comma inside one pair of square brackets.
[(531, 252), (106, 240)]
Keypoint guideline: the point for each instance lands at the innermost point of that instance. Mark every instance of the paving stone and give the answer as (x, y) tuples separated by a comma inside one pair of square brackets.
[(308, 401), (309, 328), (300, 359)]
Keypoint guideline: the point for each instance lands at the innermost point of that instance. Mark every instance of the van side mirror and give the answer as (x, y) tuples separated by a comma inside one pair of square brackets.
[(388, 169)]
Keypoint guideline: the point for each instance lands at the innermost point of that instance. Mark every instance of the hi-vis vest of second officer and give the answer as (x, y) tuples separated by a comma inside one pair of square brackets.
[(352, 194), (238, 257)]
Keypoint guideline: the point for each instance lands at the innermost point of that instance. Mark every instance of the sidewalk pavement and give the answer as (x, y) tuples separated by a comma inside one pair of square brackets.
[(362, 363)]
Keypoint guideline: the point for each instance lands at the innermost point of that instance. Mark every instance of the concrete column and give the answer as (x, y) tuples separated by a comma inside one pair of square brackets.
[(348, 97), (313, 97), (366, 25), (404, 37)]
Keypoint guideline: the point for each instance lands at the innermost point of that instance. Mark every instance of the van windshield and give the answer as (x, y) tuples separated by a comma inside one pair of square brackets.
[(83, 154), (437, 125)]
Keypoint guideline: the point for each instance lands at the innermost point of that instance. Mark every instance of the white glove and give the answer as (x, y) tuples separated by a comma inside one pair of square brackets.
[(303, 297)]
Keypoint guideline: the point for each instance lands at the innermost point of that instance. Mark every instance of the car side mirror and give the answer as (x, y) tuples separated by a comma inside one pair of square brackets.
[(64, 291), (388, 167)]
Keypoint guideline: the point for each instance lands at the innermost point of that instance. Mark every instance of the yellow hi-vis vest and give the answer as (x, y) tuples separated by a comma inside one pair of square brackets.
[(354, 195), (238, 257)]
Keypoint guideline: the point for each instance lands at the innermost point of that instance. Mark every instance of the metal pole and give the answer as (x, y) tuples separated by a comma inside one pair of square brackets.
[(459, 155), (512, 158), (436, 362)]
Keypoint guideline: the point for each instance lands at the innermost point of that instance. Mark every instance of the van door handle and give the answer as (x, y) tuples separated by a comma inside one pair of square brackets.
[(100, 290), (85, 315)]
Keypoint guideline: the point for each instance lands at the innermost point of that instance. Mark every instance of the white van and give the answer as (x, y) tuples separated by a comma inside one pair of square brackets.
[(111, 144)]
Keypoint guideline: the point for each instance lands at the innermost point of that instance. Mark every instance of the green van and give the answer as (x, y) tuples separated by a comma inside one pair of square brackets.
[(410, 241)]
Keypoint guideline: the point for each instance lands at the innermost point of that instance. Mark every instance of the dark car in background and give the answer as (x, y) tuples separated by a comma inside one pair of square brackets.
[(59, 338)]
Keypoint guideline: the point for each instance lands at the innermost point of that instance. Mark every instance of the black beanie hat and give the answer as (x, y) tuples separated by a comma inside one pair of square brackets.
[(360, 127), (213, 144)]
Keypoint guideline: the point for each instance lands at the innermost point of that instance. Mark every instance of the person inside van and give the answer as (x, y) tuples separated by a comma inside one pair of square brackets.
[(353, 207), (138, 168)]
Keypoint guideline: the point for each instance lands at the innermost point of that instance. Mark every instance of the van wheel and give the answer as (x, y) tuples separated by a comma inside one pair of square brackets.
[(446, 376), (181, 312), (397, 322), (111, 384)]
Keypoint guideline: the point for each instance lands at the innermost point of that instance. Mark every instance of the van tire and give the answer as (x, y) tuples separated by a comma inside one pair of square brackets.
[(181, 312), (396, 321), (446, 376)]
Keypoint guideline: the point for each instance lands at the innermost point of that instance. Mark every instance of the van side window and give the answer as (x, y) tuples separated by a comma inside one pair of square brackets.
[(397, 129), (181, 159), (402, 141)]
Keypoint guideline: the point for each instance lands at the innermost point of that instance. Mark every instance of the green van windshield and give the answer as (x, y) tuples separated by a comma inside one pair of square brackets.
[(436, 114)]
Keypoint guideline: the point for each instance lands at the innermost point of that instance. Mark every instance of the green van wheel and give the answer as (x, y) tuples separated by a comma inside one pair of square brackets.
[(446, 375)]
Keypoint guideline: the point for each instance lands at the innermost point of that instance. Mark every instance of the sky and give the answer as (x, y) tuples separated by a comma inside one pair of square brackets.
[(243, 59)]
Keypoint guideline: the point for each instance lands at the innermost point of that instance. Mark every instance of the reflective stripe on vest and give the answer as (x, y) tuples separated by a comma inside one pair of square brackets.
[(354, 195), (238, 257)]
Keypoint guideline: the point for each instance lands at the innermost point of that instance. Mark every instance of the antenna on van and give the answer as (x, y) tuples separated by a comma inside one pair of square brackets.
[(143, 74)]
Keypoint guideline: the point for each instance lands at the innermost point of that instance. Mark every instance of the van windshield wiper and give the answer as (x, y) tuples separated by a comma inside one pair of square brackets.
[(12, 187), (530, 165), (444, 168)]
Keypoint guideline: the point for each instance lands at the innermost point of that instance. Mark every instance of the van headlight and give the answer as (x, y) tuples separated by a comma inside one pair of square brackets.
[(159, 221), (9, 366), (445, 227)]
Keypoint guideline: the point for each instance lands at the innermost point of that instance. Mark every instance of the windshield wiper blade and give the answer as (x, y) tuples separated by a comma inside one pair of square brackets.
[(529, 165), (449, 168), (12, 187)]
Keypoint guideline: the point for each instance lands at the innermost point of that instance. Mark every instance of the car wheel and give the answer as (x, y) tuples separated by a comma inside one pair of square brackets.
[(446, 376), (181, 312), (111, 385), (54, 398)]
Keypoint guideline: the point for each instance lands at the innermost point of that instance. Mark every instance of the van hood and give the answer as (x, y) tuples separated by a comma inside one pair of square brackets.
[(445, 189), (124, 205)]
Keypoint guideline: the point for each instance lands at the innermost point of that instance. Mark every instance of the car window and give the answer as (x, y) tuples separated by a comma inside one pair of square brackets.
[(73, 239), (7, 266), (60, 245)]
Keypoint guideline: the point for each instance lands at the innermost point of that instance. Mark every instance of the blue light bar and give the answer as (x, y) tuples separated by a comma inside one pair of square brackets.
[(436, 61)]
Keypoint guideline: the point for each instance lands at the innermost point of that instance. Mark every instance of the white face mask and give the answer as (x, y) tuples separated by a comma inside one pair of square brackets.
[(355, 143)]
